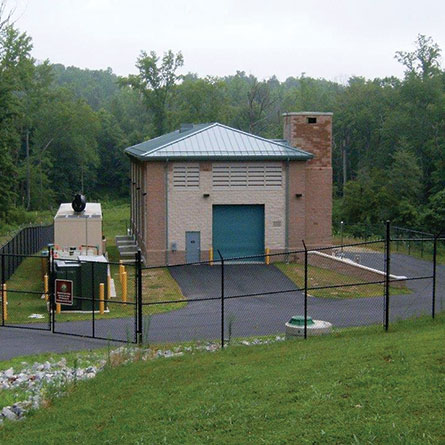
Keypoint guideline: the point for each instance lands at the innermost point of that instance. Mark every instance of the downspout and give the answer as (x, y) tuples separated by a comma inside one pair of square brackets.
[(166, 212), (286, 224)]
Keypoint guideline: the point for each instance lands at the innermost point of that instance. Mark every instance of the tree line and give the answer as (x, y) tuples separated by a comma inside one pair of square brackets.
[(64, 129)]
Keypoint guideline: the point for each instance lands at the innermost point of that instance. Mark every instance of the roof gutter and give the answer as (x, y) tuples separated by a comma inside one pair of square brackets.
[(302, 157)]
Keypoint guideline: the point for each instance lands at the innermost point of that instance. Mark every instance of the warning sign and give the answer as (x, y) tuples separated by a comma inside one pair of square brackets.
[(64, 292)]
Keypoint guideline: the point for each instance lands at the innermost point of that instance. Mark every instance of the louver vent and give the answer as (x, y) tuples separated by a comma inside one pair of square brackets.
[(186, 176), (247, 175)]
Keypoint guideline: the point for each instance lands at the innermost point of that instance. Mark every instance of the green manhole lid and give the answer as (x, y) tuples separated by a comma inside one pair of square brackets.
[(298, 320)]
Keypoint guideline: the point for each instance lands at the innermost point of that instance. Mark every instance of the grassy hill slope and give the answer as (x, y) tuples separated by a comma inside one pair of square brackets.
[(357, 386)]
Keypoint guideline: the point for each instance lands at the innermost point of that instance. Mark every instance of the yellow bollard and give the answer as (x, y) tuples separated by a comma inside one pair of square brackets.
[(121, 270), (5, 302), (101, 298), (44, 264), (211, 256), (45, 286), (58, 308), (267, 256), (124, 287)]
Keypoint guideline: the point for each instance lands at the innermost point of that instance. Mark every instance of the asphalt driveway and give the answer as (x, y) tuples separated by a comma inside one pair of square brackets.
[(274, 299), (17, 342)]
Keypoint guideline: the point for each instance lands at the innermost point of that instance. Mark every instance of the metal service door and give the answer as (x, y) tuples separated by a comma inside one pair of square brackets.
[(238, 230), (193, 247)]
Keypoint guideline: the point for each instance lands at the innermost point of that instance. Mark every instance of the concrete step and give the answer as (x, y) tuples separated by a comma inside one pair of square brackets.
[(125, 243), (128, 254), (120, 238), (132, 248), (128, 260), (127, 247)]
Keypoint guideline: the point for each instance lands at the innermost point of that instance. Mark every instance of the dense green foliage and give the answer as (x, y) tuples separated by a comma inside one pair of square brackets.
[(357, 386), (63, 129)]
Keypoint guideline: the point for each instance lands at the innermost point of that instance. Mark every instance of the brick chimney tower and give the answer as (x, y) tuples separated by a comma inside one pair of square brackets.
[(312, 132)]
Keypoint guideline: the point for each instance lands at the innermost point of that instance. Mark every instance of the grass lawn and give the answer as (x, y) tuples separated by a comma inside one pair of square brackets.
[(318, 276), (360, 387), (157, 284), (27, 277), (116, 216), (413, 248)]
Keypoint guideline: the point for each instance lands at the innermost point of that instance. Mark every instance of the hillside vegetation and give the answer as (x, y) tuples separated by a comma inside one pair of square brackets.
[(360, 386), (64, 129)]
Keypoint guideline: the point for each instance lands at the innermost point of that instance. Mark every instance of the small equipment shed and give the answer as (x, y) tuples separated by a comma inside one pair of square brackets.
[(79, 231)]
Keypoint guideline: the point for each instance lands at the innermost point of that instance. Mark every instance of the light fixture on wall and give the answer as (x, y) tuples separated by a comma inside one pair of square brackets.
[(206, 195), (298, 195)]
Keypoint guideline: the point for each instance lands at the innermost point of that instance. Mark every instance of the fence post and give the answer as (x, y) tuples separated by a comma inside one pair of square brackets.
[(341, 234), (9, 258), (305, 288), (139, 295), (433, 309), (93, 290), (3, 287), (387, 270), (4, 302), (52, 303), (222, 299)]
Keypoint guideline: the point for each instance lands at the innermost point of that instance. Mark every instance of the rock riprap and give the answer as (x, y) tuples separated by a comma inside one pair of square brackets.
[(35, 382)]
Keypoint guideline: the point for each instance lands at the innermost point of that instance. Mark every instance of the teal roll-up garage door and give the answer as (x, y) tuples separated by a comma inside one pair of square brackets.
[(238, 230)]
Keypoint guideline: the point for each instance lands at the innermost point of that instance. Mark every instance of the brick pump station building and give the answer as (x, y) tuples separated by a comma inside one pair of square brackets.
[(208, 186)]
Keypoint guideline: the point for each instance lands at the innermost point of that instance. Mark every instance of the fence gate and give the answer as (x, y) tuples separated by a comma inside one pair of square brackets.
[(24, 301), (86, 297), (24, 293), (104, 298)]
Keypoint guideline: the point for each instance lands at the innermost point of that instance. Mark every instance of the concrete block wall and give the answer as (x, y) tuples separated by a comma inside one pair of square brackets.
[(189, 210)]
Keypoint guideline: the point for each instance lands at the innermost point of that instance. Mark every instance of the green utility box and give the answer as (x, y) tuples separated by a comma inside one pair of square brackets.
[(86, 273)]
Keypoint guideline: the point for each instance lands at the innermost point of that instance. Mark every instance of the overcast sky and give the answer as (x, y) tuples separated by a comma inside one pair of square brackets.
[(333, 39)]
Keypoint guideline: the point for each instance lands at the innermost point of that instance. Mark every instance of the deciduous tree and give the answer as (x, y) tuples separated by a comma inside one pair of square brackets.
[(155, 82)]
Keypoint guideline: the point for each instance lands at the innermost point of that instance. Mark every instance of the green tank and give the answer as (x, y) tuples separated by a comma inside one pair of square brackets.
[(86, 273)]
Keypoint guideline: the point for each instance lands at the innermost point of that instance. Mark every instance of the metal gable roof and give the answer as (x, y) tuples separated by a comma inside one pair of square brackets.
[(214, 142)]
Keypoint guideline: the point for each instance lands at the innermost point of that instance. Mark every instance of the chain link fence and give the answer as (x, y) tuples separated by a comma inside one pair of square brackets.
[(26, 242), (230, 299), (348, 285)]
